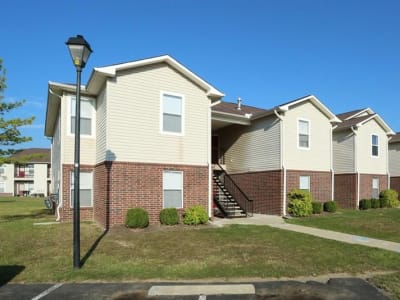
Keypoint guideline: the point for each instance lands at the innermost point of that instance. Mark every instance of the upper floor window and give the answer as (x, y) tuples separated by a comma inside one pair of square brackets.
[(303, 129), (375, 145), (172, 113), (86, 116), (2, 170)]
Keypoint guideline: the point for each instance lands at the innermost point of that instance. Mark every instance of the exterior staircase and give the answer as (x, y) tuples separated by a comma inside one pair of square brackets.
[(231, 201)]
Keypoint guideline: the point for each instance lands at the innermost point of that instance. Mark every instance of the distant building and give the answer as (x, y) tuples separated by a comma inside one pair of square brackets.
[(28, 176)]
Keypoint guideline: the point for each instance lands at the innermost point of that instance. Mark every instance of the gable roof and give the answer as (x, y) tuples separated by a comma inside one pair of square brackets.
[(354, 113), (32, 155), (99, 75), (395, 138), (356, 122)]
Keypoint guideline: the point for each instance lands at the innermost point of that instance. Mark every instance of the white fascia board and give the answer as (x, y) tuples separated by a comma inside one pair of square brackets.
[(368, 110), (230, 118)]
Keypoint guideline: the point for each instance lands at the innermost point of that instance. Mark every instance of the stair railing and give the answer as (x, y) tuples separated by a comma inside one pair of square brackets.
[(240, 197)]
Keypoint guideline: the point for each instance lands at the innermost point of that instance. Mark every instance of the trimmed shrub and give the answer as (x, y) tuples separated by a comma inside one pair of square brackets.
[(137, 218), (195, 215), (383, 202), (330, 206), (169, 216), (375, 203), (316, 207), (391, 196), (365, 204), (300, 203)]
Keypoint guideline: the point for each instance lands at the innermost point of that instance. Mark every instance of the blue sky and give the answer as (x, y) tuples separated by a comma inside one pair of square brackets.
[(345, 52)]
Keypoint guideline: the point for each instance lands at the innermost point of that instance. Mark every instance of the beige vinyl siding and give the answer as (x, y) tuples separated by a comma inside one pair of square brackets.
[(87, 144), (318, 156), (394, 159), (101, 127), (56, 158), (8, 178), (134, 116), (366, 163), (251, 148), (40, 179), (343, 152)]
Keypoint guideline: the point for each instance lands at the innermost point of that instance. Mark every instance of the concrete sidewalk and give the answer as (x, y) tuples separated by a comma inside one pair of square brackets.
[(278, 222)]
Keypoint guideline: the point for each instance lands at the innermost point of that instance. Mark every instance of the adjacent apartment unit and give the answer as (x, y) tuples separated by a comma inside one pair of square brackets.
[(394, 162), (360, 156), (29, 175)]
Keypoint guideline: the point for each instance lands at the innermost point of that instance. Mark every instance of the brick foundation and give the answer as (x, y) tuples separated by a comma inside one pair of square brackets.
[(395, 184), (366, 184), (264, 188), (119, 186)]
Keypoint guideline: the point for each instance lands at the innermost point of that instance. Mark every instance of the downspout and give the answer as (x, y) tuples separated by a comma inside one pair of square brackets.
[(281, 162), (387, 162), (209, 134), (354, 130), (332, 168)]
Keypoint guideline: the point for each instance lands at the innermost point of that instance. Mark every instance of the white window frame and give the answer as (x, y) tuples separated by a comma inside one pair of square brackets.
[(374, 145), (308, 134), (165, 172), (3, 185), (182, 97), (71, 204), (2, 170), (308, 178), (375, 182), (92, 117)]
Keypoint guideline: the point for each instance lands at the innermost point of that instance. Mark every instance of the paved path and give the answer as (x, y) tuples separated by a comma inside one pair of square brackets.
[(278, 222)]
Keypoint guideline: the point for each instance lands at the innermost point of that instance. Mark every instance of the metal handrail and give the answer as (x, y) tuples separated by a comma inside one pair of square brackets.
[(237, 193)]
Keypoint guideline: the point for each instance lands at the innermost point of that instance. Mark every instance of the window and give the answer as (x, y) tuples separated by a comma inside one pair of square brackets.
[(304, 183), (172, 189), (2, 170), (375, 145), (304, 134), (85, 193), (2, 187), (86, 116), (375, 188), (172, 108)]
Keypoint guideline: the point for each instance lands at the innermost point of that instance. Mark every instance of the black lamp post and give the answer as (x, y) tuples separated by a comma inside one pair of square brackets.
[(80, 51)]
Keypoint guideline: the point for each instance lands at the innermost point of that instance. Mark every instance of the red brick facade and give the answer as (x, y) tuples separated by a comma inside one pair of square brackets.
[(395, 184), (320, 183), (264, 188), (346, 188)]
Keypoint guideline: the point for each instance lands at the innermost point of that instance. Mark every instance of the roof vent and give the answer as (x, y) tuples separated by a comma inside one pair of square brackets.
[(239, 103)]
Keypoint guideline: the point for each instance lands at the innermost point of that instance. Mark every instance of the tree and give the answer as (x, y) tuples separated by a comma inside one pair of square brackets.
[(10, 134)]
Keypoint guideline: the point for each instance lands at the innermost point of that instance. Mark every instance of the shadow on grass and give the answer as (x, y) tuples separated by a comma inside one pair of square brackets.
[(93, 248), (7, 273), (35, 215)]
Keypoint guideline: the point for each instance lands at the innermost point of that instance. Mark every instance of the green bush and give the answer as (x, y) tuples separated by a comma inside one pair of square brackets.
[(375, 203), (316, 207), (365, 204), (169, 216), (330, 206), (195, 215), (391, 196), (300, 203), (383, 202), (137, 218)]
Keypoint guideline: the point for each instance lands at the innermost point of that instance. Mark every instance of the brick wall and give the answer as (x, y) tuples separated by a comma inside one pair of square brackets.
[(119, 186), (395, 184), (66, 211), (320, 183), (366, 184), (346, 190), (264, 188)]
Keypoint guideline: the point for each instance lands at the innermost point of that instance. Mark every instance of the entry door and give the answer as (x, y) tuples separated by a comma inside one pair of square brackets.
[(214, 149)]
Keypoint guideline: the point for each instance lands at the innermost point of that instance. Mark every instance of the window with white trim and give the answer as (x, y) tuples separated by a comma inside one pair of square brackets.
[(2, 186), (374, 145), (173, 189), (375, 188), (304, 183), (85, 189), (86, 116), (2, 170), (303, 128), (172, 110)]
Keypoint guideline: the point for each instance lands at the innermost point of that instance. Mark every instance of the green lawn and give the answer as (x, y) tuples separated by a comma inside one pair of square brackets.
[(375, 223), (44, 253)]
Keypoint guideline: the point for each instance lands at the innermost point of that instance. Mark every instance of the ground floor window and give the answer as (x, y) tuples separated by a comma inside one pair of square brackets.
[(173, 189), (85, 191), (304, 183), (2, 187), (375, 188)]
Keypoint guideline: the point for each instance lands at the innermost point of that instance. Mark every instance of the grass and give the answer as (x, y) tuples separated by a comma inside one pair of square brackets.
[(42, 253), (375, 223)]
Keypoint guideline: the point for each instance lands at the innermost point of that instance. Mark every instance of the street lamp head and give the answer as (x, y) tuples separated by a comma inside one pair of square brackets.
[(80, 51)]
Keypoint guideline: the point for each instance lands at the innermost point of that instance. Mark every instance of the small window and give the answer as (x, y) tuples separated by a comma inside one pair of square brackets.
[(86, 116), (375, 145), (172, 189), (2, 170), (85, 194), (2, 187), (304, 183), (375, 188), (172, 113), (304, 134)]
